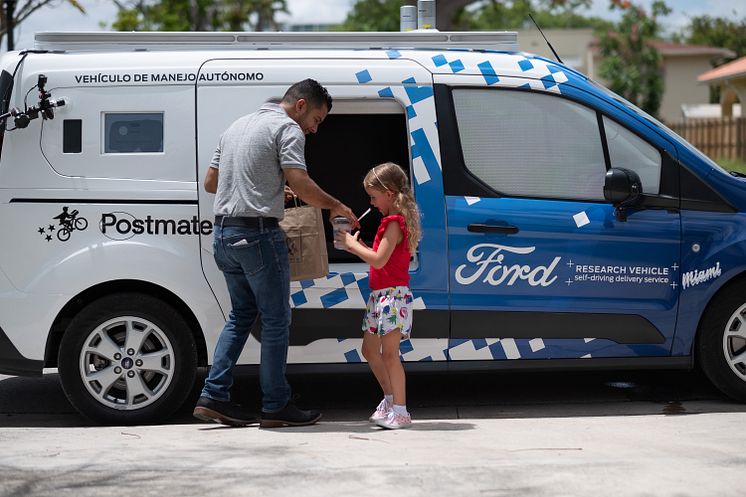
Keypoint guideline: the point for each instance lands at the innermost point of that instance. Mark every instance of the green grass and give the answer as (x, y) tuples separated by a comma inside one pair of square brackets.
[(732, 165)]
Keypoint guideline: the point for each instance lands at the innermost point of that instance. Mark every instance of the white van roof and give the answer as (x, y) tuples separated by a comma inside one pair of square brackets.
[(97, 41)]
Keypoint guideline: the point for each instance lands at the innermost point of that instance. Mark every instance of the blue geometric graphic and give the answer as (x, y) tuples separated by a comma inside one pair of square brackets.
[(439, 60), (363, 76), (298, 298), (333, 298), (422, 148), (353, 356), (456, 65), (526, 65), (386, 93), (488, 72), (417, 93)]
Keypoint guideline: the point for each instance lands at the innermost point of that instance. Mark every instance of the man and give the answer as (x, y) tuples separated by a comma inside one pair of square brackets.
[(256, 155)]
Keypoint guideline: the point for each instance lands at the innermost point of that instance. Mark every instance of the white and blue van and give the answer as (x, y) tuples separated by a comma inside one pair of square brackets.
[(563, 227)]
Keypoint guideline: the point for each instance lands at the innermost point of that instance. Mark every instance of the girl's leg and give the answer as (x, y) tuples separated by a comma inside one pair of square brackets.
[(372, 354), (390, 342)]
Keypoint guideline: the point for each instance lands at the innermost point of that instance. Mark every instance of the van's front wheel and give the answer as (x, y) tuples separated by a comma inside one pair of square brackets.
[(722, 342), (127, 359)]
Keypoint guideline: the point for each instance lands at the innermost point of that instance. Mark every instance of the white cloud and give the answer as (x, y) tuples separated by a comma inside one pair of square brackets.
[(314, 12)]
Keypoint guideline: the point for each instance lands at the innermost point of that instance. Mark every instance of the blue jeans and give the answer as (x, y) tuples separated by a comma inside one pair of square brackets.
[(255, 264)]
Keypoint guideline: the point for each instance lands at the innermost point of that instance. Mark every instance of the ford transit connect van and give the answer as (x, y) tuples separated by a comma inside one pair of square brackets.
[(563, 227)]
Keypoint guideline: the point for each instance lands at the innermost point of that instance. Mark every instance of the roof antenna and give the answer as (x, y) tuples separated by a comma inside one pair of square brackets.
[(545, 39)]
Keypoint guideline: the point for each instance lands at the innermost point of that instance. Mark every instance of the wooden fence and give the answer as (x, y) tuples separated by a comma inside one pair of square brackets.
[(718, 138)]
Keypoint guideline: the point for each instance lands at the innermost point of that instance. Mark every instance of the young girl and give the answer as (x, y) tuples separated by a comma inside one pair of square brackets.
[(388, 316)]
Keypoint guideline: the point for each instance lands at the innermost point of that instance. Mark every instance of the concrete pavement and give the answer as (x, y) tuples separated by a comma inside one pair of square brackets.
[(627, 455), (474, 435)]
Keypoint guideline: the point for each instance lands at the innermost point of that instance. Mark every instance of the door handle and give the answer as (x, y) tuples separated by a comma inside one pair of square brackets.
[(492, 228)]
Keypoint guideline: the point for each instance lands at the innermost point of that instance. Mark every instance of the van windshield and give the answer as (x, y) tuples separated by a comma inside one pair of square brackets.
[(6, 87)]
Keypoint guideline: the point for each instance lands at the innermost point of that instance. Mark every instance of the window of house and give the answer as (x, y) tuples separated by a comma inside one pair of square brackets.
[(528, 144)]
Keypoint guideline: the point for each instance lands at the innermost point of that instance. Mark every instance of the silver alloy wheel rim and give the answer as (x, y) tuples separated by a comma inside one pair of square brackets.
[(127, 363), (734, 342)]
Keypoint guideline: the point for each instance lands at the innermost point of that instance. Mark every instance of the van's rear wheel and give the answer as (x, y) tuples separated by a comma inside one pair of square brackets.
[(127, 359), (722, 342)]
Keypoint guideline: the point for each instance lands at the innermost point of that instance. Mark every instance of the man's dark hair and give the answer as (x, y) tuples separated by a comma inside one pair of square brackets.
[(311, 91)]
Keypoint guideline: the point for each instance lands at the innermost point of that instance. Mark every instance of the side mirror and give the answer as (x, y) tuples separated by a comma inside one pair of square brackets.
[(622, 187)]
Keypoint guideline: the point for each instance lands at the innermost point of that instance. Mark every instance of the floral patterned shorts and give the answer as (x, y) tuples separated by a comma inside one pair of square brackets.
[(389, 309)]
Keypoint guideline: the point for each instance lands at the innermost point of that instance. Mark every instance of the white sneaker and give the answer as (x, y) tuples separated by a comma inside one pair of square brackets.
[(395, 421), (381, 411)]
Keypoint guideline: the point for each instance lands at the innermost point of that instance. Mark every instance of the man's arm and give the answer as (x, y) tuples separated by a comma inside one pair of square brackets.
[(211, 180), (307, 189)]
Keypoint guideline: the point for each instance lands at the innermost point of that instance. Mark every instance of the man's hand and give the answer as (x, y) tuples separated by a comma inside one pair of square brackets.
[(342, 210), (289, 194), (311, 194)]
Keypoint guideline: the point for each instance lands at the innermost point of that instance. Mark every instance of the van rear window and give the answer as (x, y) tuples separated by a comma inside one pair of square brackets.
[(133, 132)]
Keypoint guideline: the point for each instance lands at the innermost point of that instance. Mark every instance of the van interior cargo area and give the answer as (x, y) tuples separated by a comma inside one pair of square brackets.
[(341, 153)]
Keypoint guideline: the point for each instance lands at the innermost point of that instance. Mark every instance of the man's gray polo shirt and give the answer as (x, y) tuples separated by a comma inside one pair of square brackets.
[(250, 157)]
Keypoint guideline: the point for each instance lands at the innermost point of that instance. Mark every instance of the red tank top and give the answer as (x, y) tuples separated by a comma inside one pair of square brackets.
[(396, 270)]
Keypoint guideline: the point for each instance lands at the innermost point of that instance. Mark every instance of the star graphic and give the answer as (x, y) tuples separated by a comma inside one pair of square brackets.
[(51, 227), (48, 238), (41, 231)]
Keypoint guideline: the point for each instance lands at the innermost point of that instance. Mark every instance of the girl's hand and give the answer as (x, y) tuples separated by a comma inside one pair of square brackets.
[(347, 240), (357, 237)]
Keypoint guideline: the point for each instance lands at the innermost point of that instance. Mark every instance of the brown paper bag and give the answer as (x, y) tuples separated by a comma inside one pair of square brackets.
[(304, 228)]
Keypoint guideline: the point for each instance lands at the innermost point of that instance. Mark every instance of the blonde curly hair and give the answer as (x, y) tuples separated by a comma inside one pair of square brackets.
[(391, 177)]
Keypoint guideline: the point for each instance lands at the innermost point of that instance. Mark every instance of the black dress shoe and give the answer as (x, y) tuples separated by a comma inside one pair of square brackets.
[(289, 416), (226, 413)]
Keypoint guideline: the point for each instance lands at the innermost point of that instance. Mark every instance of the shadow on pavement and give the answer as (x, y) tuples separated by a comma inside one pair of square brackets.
[(437, 400)]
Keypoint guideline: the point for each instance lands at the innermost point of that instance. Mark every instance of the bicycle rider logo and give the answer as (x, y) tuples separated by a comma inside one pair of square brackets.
[(68, 222)]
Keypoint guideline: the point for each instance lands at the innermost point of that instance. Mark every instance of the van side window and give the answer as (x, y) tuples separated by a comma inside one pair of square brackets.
[(629, 151), (528, 144), (133, 132)]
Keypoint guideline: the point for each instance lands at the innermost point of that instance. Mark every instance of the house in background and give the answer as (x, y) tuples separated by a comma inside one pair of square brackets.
[(681, 64), (708, 111), (731, 78)]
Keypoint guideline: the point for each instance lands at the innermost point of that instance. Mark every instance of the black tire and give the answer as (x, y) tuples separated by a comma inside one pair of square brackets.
[(718, 341), (146, 386)]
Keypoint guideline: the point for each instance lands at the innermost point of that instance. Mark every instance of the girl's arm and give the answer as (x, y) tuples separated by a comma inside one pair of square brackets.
[(391, 237)]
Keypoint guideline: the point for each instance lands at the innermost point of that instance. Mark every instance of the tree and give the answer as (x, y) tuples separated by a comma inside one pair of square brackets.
[(197, 15), (383, 15), (374, 15), (492, 15), (630, 63), (259, 13), (716, 32), (22, 10)]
